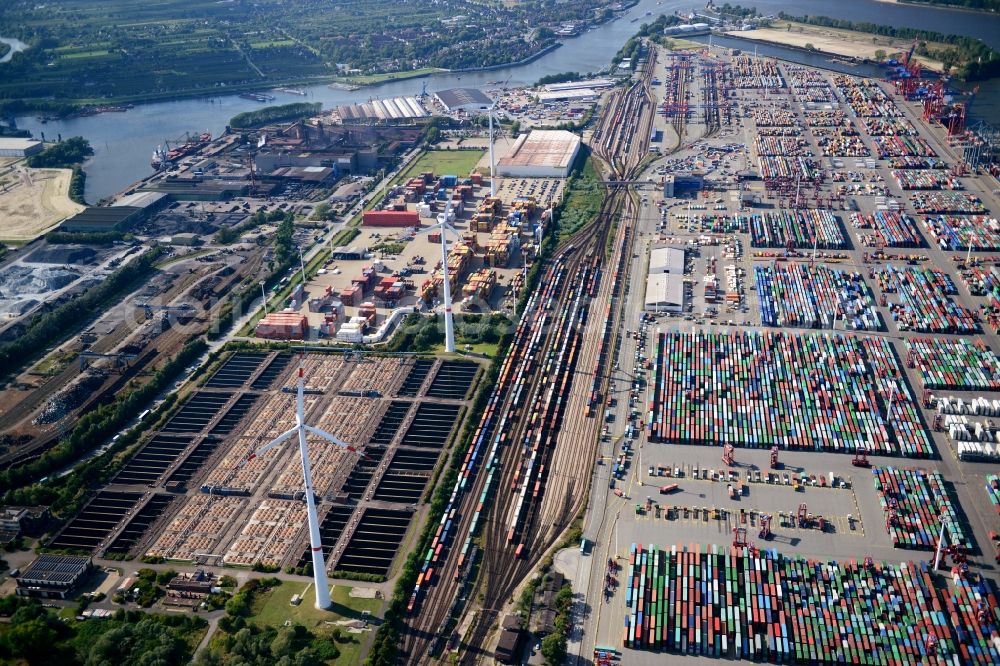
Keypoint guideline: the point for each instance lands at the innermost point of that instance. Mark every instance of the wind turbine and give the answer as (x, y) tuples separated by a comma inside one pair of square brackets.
[(444, 225), (315, 544)]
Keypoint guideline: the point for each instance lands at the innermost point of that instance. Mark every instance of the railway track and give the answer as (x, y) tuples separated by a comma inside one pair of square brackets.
[(164, 345), (507, 508)]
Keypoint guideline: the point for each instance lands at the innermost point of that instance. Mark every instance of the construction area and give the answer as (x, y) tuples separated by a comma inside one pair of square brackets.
[(34, 201), (189, 494)]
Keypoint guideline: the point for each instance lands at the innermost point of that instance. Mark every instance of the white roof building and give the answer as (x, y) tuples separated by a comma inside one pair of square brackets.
[(18, 147), (541, 154), (664, 293), (666, 260), (464, 99)]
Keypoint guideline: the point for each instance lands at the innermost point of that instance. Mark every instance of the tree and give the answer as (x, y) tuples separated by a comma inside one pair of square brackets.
[(284, 248), (141, 643), (554, 649), (809, 46), (879, 55)]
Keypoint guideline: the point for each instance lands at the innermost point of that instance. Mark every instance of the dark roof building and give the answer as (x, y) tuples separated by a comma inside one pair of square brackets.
[(464, 99), (509, 643), (104, 218), (52, 576)]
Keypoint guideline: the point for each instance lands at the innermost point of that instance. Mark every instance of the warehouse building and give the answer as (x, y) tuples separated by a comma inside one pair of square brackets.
[(668, 260), (382, 110), (541, 154), (464, 99), (589, 84), (17, 147), (104, 218), (574, 95), (664, 293), (53, 576), (687, 29)]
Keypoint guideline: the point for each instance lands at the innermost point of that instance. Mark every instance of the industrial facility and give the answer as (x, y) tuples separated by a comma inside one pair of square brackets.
[(541, 154), (17, 147), (382, 110), (664, 292), (464, 99), (53, 576)]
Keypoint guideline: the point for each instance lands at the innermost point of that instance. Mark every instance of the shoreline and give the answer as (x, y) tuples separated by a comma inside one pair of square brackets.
[(85, 105), (801, 49), (523, 61), (820, 48), (950, 8)]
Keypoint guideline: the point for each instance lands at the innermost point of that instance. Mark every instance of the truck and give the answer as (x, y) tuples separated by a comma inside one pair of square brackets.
[(667, 489)]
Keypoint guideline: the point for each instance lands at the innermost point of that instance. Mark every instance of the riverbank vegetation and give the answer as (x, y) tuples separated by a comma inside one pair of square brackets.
[(633, 48), (966, 58), (979, 5), (132, 50), (63, 155), (561, 77), (274, 114)]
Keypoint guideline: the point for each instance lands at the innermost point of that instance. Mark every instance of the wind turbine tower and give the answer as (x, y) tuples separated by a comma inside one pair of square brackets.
[(315, 544), (493, 177), (444, 224)]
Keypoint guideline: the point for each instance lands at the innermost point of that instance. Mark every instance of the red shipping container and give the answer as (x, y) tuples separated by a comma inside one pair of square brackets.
[(391, 218)]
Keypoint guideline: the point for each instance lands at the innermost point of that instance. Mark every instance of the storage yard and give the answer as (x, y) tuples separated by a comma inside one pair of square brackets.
[(187, 496), (394, 263), (832, 317)]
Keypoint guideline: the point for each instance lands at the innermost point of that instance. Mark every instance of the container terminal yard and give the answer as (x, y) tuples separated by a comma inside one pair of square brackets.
[(746, 413)]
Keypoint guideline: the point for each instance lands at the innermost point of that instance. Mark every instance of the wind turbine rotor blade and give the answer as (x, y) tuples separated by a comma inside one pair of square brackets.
[(280, 439)]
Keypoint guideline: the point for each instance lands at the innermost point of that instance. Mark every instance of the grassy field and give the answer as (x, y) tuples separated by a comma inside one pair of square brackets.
[(390, 76), (584, 196), (53, 364), (443, 162), (274, 608)]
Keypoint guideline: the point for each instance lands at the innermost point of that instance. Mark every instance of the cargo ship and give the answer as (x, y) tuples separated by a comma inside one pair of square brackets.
[(291, 91), (161, 158)]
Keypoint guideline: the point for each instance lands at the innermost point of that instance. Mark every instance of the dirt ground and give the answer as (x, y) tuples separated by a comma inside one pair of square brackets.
[(833, 41), (27, 211)]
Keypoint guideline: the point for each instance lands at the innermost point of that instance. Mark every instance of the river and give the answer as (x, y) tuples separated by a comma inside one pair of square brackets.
[(124, 142), (16, 46)]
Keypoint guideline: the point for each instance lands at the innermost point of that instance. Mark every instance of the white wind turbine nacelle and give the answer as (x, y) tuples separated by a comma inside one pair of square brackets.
[(321, 583), (444, 224)]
